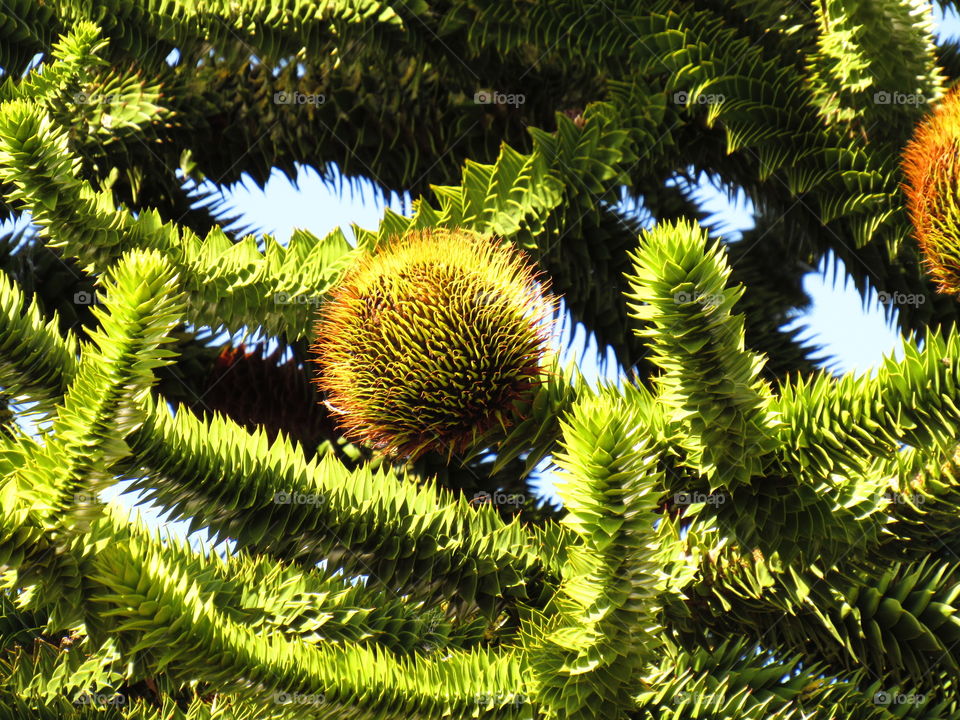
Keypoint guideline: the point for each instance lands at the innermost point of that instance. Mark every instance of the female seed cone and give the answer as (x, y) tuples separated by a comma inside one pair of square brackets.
[(931, 164), (430, 342)]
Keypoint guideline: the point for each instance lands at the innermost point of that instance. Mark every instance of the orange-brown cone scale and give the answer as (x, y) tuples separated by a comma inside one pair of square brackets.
[(931, 165)]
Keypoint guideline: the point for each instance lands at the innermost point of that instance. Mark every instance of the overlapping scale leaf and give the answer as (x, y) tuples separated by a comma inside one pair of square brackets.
[(267, 496), (739, 679), (843, 425), (601, 628), (901, 620), (925, 492), (862, 79), (53, 488), (36, 362), (710, 383), (141, 586), (284, 283), (799, 521)]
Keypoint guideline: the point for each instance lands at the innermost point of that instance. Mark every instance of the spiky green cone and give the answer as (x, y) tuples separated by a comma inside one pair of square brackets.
[(432, 342)]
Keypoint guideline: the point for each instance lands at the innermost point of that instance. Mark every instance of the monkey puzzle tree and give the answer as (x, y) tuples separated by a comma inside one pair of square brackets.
[(741, 535)]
